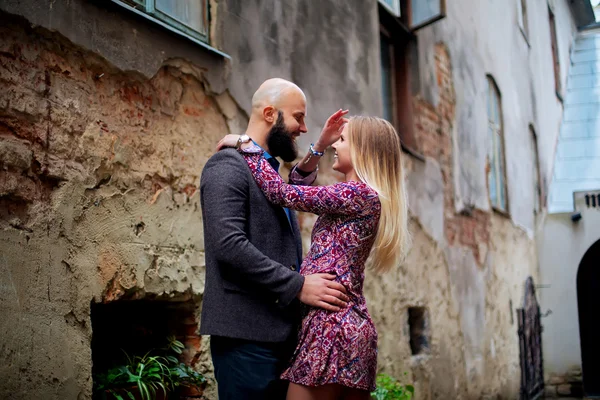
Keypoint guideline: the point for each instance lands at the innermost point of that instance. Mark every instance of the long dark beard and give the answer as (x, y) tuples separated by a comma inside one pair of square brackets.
[(280, 141)]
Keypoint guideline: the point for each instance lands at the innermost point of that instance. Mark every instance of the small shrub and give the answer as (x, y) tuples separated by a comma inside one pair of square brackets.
[(145, 376), (389, 388)]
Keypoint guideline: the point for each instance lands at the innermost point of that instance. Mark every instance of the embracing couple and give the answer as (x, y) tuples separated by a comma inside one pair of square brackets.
[(282, 326)]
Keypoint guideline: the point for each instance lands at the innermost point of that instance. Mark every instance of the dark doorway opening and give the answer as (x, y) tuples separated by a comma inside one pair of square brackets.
[(588, 303), (136, 327), (530, 344)]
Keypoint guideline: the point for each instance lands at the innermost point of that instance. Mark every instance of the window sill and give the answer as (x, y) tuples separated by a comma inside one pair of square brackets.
[(171, 29)]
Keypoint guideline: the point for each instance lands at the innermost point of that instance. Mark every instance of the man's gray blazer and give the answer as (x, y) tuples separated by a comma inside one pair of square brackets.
[(251, 252)]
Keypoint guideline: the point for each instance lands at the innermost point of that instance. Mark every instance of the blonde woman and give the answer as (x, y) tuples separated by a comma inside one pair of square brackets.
[(336, 354)]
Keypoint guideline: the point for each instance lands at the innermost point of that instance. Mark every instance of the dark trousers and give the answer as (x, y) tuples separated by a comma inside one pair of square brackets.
[(247, 370)]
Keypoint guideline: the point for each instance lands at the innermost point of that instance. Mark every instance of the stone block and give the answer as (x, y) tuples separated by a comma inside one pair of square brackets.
[(25, 103), (15, 154), (550, 392), (556, 380), (564, 390), (13, 184), (574, 375)]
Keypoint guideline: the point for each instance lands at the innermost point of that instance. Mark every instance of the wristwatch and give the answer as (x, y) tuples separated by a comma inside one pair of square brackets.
[(242, 139)]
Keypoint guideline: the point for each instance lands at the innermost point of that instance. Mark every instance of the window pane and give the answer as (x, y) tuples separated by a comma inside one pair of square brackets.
[(137, 4), (536, 172), (392, 5), (425, 10), (491, 140), (489, 101), (492, 115), (188, 12), (492, 182), (387, 79), (496, 111), (500, 172), (496, 176)]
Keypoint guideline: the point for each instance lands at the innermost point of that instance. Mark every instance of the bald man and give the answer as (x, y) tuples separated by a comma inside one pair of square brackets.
[(253, 250)]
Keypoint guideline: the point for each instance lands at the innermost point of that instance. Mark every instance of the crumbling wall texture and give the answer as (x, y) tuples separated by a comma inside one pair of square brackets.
[(467, 270), (98, 200)]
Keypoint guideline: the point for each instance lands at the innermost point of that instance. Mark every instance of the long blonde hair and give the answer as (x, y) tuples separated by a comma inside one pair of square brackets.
[(377, 159)]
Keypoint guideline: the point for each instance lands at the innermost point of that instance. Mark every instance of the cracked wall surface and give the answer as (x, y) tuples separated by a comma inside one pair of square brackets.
[(466, 269), (98, 186), (106, 122)]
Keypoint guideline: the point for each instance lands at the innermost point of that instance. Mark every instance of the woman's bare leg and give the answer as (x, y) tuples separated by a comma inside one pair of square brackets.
[(325, 392), (356, 394)]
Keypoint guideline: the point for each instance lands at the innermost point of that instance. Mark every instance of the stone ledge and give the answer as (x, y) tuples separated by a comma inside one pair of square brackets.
[(564, 390)]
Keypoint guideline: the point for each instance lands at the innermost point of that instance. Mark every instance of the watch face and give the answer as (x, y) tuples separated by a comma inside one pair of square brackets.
[(242, 139)]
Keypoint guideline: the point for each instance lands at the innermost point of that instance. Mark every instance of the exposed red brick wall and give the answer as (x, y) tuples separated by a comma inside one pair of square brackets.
[(434, 133), (65, 114), (99, 173)]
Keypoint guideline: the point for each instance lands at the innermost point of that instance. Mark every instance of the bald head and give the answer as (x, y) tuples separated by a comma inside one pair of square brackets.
[(277, 118), (275, 92)]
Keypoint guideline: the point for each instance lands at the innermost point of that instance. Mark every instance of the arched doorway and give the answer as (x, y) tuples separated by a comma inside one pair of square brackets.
[(588, 303)]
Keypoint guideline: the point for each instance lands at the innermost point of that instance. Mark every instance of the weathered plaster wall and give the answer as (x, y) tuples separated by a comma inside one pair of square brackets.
[(98, 191), (468, 270), (129, 42), (99, 183), (563, 244), (331, 51), (488, 40)]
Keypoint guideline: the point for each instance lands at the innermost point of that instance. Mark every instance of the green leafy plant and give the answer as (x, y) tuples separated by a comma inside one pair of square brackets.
[(157, 371), (389, 388)]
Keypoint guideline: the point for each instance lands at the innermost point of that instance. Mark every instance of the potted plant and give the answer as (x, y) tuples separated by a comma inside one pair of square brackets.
[(389, 388), (152, 376)]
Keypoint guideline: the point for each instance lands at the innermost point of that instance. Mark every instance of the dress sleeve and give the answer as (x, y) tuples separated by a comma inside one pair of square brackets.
[(342, 198), (296, 178)]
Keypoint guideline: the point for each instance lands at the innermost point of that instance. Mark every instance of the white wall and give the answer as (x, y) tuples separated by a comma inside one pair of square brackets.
[(562, 246)]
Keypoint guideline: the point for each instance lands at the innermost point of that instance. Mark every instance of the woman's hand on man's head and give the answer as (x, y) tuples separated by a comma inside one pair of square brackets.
[(332, 130)]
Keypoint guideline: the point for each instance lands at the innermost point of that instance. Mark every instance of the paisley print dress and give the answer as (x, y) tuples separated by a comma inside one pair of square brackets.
[(333, 347)]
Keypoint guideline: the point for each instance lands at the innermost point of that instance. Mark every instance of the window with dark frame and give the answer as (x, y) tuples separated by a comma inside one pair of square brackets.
[(424, 12), (555, 57), (395, 80), (496, 163), (393, 6), (416, 14), (189, 17), (399, 19)]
